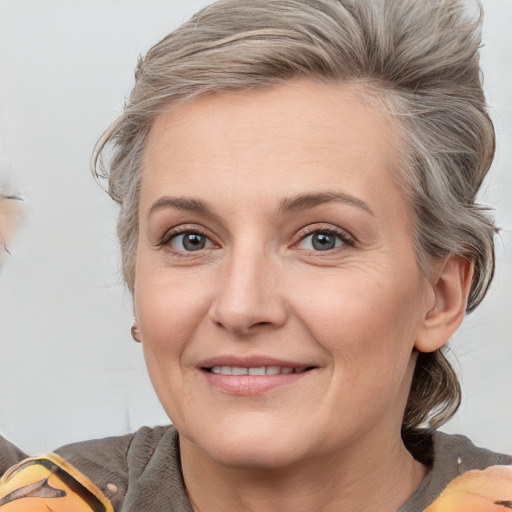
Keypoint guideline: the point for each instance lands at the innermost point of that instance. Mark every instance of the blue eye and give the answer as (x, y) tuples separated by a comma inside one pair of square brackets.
[(190, 241), (322, 241)]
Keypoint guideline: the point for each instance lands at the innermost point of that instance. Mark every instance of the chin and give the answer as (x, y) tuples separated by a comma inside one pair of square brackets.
[(249, 457), (252, 445)]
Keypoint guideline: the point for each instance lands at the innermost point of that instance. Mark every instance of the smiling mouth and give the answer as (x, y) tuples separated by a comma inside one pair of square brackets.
[(259, 370)]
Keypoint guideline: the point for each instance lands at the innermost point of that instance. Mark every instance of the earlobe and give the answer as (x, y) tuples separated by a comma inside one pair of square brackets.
[(451, 288), (135, 331)]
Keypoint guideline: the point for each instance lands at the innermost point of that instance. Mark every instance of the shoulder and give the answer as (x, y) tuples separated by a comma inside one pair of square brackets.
[(9, 455), (458, 452), (119, 465), (453, 455)]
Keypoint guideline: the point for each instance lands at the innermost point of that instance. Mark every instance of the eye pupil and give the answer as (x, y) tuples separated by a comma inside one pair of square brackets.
[(323, 241), (194, 241)]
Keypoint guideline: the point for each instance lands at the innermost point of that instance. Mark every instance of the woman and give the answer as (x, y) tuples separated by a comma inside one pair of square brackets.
[(299, 230)]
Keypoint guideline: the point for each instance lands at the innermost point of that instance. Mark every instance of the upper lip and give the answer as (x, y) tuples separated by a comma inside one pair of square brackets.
[(251, 362)]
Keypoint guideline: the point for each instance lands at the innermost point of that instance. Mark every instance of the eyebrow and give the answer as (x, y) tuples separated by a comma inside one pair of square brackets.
[(306, 201), (185, 204), (293, 204)]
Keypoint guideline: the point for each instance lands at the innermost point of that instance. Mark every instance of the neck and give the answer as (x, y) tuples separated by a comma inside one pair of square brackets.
[(379, 477)]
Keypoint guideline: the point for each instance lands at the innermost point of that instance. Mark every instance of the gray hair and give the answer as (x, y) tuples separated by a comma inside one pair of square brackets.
[(416, 59)]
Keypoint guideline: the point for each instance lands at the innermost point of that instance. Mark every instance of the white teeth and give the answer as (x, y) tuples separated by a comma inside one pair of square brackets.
[(257, 371), (260, 370)]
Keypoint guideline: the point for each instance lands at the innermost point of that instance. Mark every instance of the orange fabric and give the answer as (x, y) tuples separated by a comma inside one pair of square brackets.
[(489, 490), (49, 484)]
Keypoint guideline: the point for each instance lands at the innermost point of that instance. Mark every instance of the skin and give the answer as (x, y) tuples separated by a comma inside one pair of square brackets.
[(253, 177), (9, 221)]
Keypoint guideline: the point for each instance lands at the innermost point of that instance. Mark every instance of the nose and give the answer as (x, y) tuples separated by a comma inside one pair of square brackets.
[(249, 298)]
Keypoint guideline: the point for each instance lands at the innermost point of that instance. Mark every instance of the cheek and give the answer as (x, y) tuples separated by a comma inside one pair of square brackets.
[(364, 319), (168, 312)]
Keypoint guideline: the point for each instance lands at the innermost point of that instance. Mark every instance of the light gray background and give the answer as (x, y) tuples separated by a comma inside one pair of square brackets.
[(68, 367)]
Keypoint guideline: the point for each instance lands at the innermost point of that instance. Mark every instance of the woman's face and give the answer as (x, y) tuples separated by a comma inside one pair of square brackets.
[(277, 292)]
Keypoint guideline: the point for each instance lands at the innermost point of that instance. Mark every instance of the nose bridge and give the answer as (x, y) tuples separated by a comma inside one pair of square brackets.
[(248, 294)]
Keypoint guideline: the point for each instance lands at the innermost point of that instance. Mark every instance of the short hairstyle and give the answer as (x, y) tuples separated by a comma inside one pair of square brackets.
[(416, 59)]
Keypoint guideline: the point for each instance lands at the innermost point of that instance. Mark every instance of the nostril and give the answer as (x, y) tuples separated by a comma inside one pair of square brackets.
[(242, 326)]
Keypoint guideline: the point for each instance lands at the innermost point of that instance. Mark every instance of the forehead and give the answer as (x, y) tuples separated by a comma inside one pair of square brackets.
[(294, 135)]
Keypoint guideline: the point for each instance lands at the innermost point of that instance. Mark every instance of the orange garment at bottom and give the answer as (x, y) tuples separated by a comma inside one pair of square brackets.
[(49, 484)]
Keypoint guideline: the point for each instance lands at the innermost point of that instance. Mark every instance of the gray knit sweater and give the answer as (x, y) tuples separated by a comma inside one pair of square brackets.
[(145, 468)]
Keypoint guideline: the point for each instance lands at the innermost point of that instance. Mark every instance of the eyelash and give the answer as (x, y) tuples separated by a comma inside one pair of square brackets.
[(343, 236), (169, 236), (303, 234)]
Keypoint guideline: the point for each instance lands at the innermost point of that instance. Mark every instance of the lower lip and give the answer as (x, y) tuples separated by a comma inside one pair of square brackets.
[(247, 385)]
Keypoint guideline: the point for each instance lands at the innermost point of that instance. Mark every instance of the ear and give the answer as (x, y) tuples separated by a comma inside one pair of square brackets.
[(135, 331), (451, 285)]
